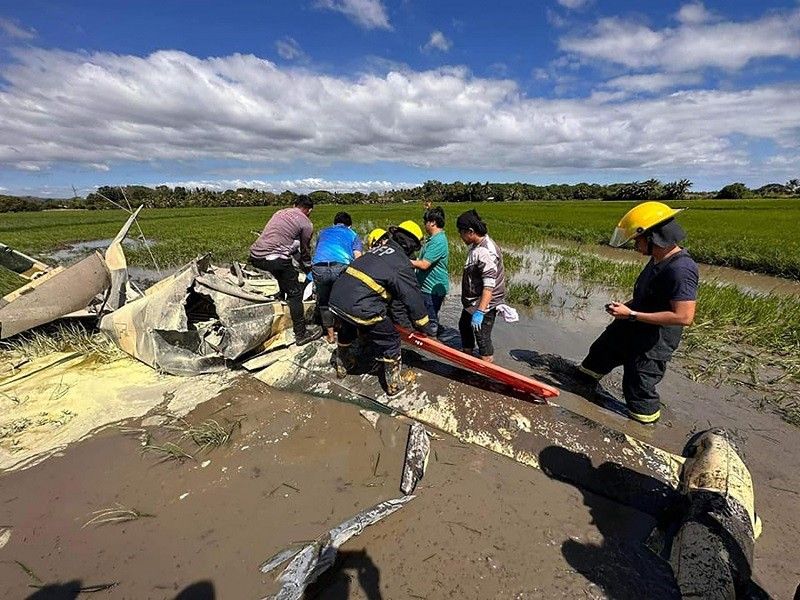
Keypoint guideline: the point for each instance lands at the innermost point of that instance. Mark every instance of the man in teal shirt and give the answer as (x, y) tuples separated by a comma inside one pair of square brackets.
[(432, 272)]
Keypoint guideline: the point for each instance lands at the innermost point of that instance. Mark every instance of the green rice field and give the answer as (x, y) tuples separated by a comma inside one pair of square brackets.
[(757, 235)]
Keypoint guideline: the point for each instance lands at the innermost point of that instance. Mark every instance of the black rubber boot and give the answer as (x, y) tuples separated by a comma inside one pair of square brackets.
[(345, 361), (393, 369), (311, 333)]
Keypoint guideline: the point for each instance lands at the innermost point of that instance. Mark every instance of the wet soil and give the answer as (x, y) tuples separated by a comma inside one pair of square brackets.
[(482, 526)]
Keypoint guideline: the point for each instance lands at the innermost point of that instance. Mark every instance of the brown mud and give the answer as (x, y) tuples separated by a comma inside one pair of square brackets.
[(481, 526)]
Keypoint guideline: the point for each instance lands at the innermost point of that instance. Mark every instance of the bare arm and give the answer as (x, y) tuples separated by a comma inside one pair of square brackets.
[(357, 253), (682, 313), (486, 297), (421, 264)]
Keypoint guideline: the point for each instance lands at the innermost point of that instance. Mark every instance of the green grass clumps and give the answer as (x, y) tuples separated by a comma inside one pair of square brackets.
[(9, 281), (528, 294)]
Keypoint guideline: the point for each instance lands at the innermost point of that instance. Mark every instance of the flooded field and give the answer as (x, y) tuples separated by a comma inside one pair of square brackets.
[(125, 482), (482, 525)]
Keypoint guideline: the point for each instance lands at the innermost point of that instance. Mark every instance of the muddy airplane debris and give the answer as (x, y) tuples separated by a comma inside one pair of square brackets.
[(418, 450), (205, 319), (310, 561)]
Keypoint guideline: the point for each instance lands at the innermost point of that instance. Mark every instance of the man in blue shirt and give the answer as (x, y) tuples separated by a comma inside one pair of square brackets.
[(432, 265), (337, 247)]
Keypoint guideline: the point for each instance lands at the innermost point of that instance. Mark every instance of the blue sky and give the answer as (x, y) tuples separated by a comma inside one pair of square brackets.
[(371, 94)]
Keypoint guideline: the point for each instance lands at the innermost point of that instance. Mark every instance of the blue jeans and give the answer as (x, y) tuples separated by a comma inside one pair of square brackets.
[(324, 277), (433, 303)]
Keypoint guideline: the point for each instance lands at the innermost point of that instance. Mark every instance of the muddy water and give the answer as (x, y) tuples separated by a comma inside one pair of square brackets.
[(482, 526), (78, 250), (745, 280), (530, 345)]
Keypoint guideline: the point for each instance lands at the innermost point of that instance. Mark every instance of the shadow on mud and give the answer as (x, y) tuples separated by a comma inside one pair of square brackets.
[(559, 372), (621, 565), (351, 567), (202, 590)]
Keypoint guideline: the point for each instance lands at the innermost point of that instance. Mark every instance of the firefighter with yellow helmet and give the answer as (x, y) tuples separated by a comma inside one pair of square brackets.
[(647, 328), (364, 298), (376, 236)]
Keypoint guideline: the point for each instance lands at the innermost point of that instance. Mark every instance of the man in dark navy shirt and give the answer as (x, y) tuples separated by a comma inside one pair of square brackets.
[(647, 329)]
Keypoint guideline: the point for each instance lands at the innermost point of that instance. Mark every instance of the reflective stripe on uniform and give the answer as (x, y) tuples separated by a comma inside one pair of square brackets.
[(369, 282), (422, 322), (646, 418)]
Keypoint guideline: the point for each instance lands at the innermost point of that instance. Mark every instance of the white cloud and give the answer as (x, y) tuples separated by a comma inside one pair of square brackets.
[(13, 30), (437, 41), (300, 186), (572, 4), (289, 49), (653, 82), (694, 14), (28, 165), (102, 167), (77, 108), (369, 14), (692, 45)]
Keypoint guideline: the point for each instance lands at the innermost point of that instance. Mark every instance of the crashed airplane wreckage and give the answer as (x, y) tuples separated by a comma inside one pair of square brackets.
[(204, 318)]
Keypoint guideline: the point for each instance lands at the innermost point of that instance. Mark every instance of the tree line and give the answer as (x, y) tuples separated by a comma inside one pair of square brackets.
[(162, 196)]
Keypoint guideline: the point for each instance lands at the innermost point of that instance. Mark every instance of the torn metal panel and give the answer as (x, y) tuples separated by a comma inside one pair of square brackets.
[(54, 295), (314, 559), (118, 266), (196, 321), (418, 450)]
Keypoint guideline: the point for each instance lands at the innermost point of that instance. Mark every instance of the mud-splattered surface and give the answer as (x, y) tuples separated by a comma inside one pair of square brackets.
[(482, 526)]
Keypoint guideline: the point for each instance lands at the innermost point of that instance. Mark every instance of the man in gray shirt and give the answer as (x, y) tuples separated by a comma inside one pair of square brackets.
[(288, 232), (483, 285)]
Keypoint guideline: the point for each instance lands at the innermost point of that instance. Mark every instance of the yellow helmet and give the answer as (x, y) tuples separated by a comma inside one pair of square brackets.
[(639, 219), (412, 228), (374, 236)]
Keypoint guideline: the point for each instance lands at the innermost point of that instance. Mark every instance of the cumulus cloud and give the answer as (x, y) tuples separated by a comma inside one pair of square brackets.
[(299, 186), (653, 82), (694, 14), (437, 41), (572, 4), (289, 49), (63, 107), (15, 31), (369, 14), (694, 44)]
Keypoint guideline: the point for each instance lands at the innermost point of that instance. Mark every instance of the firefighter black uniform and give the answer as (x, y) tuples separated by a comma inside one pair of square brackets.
[(361, 299)]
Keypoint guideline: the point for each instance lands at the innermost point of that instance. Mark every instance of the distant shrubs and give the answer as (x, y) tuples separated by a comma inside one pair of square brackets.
[(19, 204), (162, 196), (734, 191)]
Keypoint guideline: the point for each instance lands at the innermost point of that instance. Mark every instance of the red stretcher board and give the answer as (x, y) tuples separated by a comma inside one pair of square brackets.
[(490, 370)]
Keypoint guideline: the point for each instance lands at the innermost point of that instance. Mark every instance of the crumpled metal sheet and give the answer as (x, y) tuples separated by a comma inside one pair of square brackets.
[(315, 558), (118, 266), (53, 295), (418, 450), (195, 321)]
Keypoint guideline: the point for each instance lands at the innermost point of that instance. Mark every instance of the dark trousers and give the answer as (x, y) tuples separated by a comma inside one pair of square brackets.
[(483, 338), (289, 285), (382, 334), (324, 278), (616, 347), (433, 303)]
